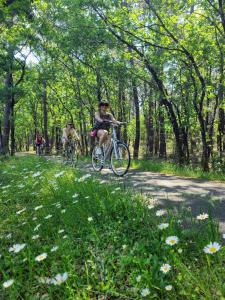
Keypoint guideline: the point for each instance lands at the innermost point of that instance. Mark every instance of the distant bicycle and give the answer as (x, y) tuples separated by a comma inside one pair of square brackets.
[(70, 155), (40, 149), (117, 151)]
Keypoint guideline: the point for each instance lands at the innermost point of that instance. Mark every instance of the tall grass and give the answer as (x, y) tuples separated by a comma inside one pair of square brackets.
[(108, 240)]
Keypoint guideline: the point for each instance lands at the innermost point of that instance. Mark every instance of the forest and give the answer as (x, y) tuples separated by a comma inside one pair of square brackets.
[(160, 64)]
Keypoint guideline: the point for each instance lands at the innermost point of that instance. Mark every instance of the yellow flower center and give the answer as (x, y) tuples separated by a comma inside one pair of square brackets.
[(212, 249)]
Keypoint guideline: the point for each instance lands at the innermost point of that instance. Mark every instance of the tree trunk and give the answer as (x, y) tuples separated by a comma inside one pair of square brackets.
[(0, 134), (7, 113), (162, 137), (137, 120), (45, 116), (12, 127), (99, 86), (149, 125)]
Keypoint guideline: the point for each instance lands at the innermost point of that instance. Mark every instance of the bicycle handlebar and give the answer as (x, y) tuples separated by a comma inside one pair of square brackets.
[(115, 124)]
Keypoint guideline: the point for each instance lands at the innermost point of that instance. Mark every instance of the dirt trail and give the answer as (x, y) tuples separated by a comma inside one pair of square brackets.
[(169, 190)]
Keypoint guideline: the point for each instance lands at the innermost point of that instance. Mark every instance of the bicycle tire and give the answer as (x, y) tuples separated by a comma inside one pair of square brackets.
[(94, 157), (125, 168)]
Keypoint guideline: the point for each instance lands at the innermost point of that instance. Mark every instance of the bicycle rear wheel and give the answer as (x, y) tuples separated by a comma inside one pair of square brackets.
[(96, 159), (120, 159)]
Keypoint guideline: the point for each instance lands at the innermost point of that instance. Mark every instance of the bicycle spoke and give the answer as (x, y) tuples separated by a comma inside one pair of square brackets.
[(120, 159)]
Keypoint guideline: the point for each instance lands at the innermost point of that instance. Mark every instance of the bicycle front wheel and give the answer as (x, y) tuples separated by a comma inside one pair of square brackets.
[(72, 157), (120, 159), (96, 159)]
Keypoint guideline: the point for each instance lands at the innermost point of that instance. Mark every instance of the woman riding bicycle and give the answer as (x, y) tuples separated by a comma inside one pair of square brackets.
[(102, 124), (69, 134), (39, 141)]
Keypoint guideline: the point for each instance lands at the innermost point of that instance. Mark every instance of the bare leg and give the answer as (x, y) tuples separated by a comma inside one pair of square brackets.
[(103, 136)]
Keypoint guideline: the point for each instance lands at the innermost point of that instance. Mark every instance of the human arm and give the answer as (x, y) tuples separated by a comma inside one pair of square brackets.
[(75, 135), (64, 134), (113, 119), (98, 118)]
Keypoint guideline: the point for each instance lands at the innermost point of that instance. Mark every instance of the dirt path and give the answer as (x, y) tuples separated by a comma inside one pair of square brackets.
[(171, 191)]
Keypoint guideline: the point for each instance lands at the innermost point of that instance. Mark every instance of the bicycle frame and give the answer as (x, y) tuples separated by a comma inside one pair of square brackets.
[(113, 143)]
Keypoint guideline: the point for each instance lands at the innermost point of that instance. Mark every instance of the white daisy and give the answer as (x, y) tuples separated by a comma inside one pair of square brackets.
[(163, 225), (45, 280), (172, 240), (48, 217), (60, 278), (160, 212), (54, 248), (84, 177), (38, 207), (41, 257), (36, 174), (145, 292), (168, 287), (21, 186), (212, 248), (17, 248), (90, 219), (20, 211), (138, 278), (8, 283), (59, 174), (202, 216), (37, 227), (151, 206), (165, 268)]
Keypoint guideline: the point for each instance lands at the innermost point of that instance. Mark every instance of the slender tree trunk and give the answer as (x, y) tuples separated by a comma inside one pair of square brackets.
[(137, 120), (162, 137), (81, 133), (12, 127), (99, 86), (149, 124), (0, 134), (7, 113), (45, 116)]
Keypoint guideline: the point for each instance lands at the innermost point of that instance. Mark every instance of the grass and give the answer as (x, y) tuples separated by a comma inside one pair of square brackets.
[(111, 246), (162, 166)]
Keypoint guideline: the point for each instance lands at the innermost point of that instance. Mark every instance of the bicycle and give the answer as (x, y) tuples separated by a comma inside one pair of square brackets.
[(70, 154), (117, 151), (40, 149)]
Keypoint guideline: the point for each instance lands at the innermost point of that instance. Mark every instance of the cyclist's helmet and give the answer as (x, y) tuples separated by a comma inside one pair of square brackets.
[(69, 123), (103, 103)]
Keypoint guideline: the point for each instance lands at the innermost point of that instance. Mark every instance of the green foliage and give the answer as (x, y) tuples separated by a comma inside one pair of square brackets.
[(110, 239)]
